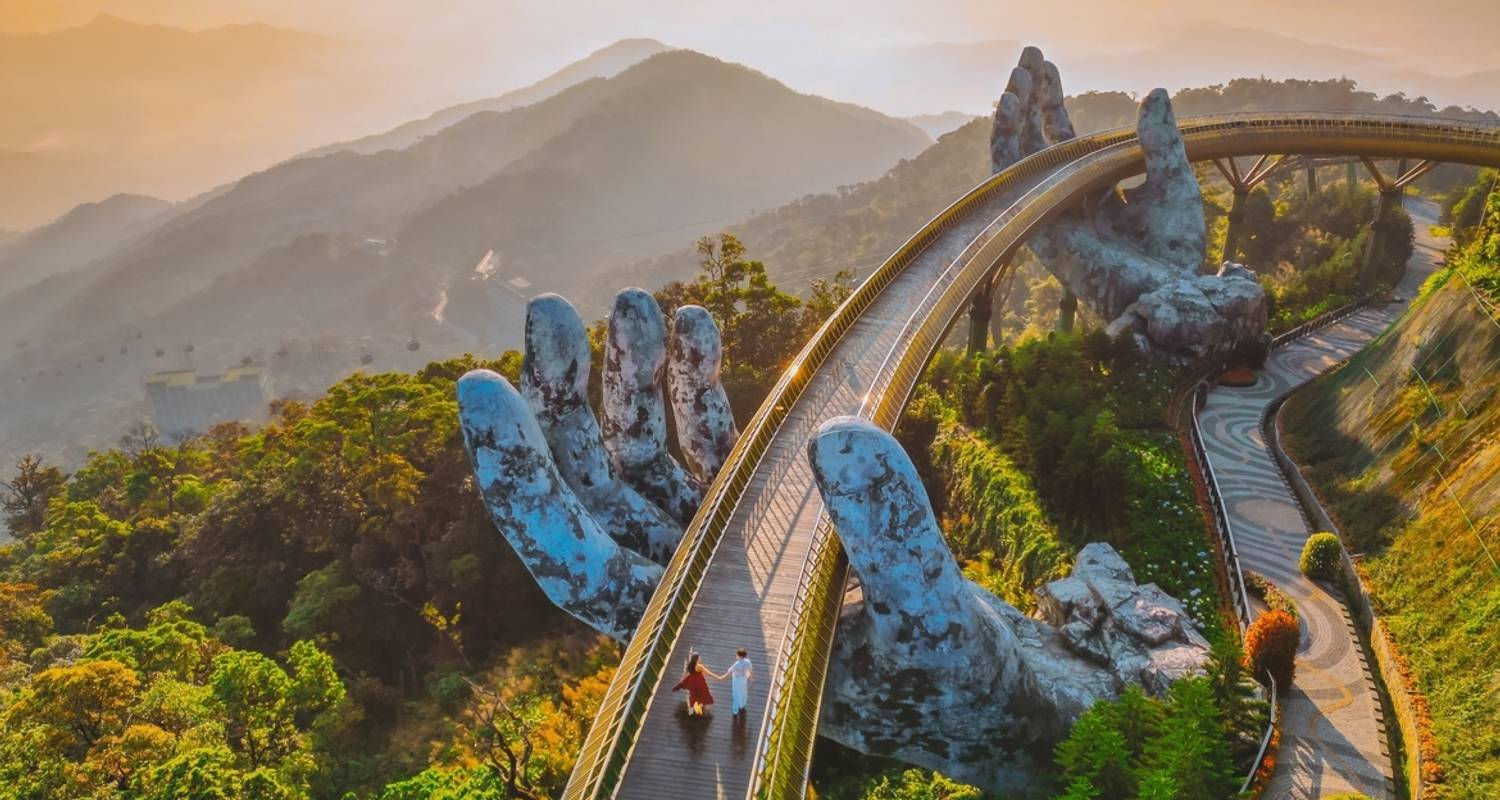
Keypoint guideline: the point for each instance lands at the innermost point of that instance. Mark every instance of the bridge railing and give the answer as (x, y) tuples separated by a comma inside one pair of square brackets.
[(1320, 322), (1112, 154)]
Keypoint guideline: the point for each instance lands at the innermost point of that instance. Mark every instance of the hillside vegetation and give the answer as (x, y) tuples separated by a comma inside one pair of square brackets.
[(1403, 443)]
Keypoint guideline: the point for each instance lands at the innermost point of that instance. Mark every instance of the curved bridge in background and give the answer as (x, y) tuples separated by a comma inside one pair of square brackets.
[(761, 568)]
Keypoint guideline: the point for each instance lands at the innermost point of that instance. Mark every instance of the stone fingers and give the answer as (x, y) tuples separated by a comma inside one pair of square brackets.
[(1163, 217), (579, 567), (554, 381), (705, 423), (1054, 114), (635, 418), (1005, 132), (919, 607)]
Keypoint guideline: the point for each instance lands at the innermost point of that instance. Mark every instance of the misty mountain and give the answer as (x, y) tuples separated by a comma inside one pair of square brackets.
[(858, 227), (78, 237), (358, 195), (602, 63), (323, 264), (936, 125), (680, 143)]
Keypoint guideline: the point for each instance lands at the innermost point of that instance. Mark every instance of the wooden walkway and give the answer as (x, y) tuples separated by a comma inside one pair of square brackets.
[(746, 597)]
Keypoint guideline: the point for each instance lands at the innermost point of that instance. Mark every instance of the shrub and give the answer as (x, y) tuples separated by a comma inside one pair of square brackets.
[(1271, 647), (1321, 556)]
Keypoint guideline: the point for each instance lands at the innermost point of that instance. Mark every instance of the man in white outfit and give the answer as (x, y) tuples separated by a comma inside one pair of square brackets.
[(739, 682)]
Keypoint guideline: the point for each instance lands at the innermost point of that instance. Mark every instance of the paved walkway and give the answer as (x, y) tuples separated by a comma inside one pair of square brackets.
[(1333, 732)]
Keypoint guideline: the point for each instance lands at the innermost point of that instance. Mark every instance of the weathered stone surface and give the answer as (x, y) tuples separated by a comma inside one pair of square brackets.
[(1133, 259), (1138, 632), (578, 566), (705, 423), (635, 412), (932, 669), (554, 381)]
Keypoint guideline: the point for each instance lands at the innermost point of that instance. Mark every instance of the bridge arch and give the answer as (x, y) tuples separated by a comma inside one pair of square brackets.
[(759, 544)]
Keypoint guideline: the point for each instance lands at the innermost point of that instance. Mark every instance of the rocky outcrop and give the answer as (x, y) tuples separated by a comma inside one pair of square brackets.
[(932, 669), (555, 383), (705, 423), (635, 411), (1134, 257), (1140, 634)]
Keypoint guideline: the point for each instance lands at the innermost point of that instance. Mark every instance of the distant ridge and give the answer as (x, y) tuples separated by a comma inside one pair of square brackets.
[(605, 62), (935, 125), (85, 233)]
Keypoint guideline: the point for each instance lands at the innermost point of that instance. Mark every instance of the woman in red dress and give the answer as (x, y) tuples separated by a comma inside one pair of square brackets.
[(696, 684)]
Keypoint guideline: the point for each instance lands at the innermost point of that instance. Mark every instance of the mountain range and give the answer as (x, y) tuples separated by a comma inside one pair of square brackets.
[(368, 248)]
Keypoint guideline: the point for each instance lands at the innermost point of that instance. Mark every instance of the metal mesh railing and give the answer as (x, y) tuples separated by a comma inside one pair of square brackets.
[(1094, 161)]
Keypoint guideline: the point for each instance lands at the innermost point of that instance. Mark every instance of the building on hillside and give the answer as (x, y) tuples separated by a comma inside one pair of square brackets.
[(183, 402)]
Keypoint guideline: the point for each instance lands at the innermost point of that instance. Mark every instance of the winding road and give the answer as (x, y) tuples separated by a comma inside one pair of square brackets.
[(1333, 731)]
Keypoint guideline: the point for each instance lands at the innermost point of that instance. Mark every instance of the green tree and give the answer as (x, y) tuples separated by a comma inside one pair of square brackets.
[(253, 692), (24, 498), (1095, 754), (1192, 751), (64, 710), (917, 784)]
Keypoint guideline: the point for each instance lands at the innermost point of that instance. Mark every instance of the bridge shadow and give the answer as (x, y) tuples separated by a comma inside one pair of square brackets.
[(1309, 762)]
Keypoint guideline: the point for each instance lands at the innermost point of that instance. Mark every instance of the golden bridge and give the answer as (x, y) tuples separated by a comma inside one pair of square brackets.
[(761, 568)]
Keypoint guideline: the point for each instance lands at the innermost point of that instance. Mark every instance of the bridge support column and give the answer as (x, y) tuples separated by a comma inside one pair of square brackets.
[(1232, 233), (1379, 229), (1392, 192), (1241, 183), (1312, 177), (1067, 309), (981, 309)]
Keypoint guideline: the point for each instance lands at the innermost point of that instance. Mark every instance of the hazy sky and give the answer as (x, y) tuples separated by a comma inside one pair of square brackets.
[(494, 44)]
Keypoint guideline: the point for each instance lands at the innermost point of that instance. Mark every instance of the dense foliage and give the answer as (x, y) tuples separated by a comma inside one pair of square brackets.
[(348, 521), (1322, 556), (168, 710), (1308, 248), (1139, 747), (347, 526), (1051, 444)]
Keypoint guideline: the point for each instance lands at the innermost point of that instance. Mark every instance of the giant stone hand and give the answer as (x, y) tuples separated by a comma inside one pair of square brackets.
[(593, 512), (1134, 256), (933, 669)]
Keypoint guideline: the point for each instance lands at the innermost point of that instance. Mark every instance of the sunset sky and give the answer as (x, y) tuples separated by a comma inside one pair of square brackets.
[(791, 37), (188, 111)]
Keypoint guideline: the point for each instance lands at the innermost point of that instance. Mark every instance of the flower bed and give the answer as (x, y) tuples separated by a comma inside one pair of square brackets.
[(1237, 376)]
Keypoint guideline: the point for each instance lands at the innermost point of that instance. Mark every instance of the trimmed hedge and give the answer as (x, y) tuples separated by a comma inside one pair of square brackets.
[(1271, 647), (1321, 556)]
